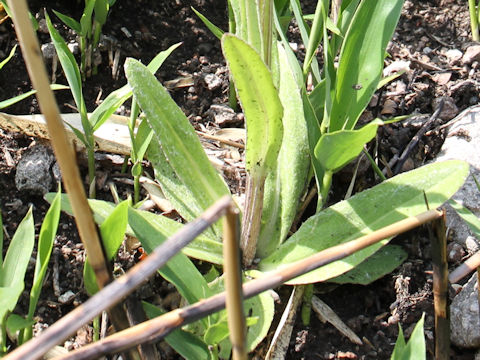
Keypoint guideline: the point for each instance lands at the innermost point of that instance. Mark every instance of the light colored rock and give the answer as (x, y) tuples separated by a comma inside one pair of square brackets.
[(463, 143), (464, 315), (212, 81), (48, 51), (33, 173), (67, 297), (453, 55), (471, 54), (222, 114)]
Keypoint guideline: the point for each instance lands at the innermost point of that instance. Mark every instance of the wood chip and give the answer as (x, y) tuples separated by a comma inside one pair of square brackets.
[(326, 314)]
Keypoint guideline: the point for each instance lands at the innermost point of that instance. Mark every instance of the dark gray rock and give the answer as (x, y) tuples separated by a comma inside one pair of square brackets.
[(34, 174)]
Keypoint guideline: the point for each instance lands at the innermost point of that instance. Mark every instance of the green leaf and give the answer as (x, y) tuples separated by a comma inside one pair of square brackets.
[(392, 200), (176, 136), (15, 99), (70, 22), (116, 98), (286, 183), (15, 323), (45, 245), (336, 149), (14, 267), (112, 231), (361, 59), (71, 70), (7, 59), (415, 348), (187, 344), (201, 248), (259, 311), (180, 271), (86, 19), (383, 262), (212, 27), (470, 219), (1, 240), (142, 139), (260, 102), (19, 252)]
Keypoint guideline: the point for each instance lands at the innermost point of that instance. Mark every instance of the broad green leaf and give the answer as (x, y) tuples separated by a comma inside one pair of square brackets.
[(336, 149), (286, 183), (361, 59), (9, 296), (201, 248), (45, 245), (15, 99), (174, 133), (211, 26), (69, 65), (392, 200), (15, 323), (112, 231), (18, 254), (187, 344), (415, 348), (180, 271), (116, 98), (383, 262), (261, 308), (260, 102)]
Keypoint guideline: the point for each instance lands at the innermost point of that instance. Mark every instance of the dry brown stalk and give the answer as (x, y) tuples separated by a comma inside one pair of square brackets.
[(440, 289), (466, 268), (117, 290), (157, 328), (64, 152), (233, 285)]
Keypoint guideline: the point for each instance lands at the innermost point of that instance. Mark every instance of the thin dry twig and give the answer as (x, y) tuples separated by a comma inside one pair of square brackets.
[(440, 289), (64, 152), (233, 284), (470, 265), (117, 290), (157, 328)]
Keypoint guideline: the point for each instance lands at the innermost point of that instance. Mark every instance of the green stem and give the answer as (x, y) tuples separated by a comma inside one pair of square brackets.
[(96, 328), (324, 189), (91, 171), (136, 189), (474, 16), (307, 304), (375, 167)]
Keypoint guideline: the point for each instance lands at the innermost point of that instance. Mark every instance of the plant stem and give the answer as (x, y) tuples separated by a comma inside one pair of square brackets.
[(252, 216), (307, 304), (325, 188), (474, 16), (91, 172)]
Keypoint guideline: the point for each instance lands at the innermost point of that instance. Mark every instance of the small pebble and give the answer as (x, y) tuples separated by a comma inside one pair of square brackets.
[(67, 297)]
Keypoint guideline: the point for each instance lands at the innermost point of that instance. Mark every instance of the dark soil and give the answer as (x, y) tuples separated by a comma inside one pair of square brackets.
[(141, 29)]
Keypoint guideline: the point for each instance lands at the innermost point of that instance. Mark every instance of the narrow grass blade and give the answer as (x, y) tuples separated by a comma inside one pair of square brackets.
[(15, 99), (211, 26), (116, 98), (44, 250)]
